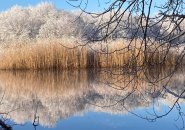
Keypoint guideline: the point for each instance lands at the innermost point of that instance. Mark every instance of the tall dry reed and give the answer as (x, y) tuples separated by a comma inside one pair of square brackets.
[(57, 54)]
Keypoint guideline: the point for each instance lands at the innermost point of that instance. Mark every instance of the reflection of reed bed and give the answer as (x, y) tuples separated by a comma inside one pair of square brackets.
[(55, 54), (56, 93), (61, 94), (125, 81), (142, 83), (43, 83)]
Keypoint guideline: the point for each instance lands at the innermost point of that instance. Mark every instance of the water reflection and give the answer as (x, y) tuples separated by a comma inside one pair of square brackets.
[(46, 97)]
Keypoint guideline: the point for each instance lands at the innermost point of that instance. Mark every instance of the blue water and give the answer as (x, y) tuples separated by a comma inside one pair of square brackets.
[(104, 121)]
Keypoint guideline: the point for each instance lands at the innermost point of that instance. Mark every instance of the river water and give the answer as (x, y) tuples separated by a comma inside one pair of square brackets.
[(92, 100)]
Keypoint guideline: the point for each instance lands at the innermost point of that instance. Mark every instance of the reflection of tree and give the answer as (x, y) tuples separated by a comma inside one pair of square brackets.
[(36, 118), (175, 94), (53, 96), (4, 126), (160, 85)]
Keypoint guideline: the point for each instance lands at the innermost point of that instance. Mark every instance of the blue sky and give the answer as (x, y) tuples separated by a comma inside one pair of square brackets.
[(9, 3), (93, 5), (62, 4)]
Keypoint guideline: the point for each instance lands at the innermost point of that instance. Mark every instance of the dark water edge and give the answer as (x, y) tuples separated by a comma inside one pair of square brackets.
[(93, 99)]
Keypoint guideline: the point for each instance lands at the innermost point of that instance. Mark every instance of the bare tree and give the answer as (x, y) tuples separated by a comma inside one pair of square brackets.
[(154, 23), (159, 28)]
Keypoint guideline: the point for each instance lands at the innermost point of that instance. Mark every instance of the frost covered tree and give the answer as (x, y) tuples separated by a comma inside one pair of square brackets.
[(41, 21), (64, 24)]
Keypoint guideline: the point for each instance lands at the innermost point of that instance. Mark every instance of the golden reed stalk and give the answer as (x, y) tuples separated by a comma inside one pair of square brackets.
[(53, 54)]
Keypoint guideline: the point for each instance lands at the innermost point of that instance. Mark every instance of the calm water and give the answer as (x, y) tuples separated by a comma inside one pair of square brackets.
[(92, 100)]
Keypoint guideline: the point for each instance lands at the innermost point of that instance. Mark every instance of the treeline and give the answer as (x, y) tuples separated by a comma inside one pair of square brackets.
[(41, 21), (46, 21)]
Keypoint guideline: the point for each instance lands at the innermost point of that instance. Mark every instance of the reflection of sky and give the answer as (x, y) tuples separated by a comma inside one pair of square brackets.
[(104, 121)]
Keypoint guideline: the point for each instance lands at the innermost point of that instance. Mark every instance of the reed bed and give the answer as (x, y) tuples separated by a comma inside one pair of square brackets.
[(66, 54), (43, 54)]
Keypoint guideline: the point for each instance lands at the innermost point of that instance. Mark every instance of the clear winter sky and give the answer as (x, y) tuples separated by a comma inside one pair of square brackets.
[(61, 4), (93, 5)]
